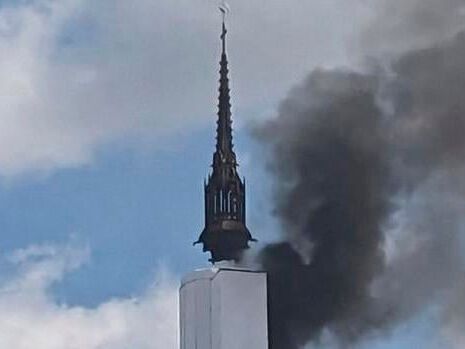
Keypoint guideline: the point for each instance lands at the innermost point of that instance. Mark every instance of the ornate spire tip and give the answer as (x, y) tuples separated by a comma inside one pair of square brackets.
[(224, 9)]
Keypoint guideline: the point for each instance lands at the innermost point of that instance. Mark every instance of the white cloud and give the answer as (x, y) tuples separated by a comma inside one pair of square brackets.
[(76, 74), (30, 319)]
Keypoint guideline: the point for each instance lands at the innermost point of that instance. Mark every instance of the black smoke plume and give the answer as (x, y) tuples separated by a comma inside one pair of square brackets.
[(369, 184)]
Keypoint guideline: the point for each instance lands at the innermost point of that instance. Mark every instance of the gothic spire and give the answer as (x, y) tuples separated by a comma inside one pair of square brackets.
[(224, 145), (225, 234)]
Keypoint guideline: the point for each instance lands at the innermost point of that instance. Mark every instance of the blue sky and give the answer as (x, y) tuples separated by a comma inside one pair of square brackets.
[(106, 134), (134, 209)]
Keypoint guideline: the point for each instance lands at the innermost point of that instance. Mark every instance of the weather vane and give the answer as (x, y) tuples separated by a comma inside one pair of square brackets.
[(225, 9)]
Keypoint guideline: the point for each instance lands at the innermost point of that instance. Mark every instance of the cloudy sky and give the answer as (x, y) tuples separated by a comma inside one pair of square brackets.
[(106, 133)]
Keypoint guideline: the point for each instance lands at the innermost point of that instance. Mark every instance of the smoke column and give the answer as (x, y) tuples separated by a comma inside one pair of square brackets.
[(369, 183)]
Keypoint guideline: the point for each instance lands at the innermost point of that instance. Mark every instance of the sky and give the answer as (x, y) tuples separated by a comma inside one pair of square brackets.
[(106, 135)]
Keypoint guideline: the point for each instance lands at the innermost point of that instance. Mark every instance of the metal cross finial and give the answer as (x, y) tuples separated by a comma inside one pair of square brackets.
[(224, 8)]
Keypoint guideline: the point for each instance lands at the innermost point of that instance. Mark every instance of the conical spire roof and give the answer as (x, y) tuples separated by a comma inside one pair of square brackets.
[(224, 143)]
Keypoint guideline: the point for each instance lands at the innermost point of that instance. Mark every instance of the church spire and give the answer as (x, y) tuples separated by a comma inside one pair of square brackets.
[(224, 145), (225, 234)]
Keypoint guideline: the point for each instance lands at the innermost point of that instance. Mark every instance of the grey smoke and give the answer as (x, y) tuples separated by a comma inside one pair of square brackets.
[(399, 26), (369, 179)]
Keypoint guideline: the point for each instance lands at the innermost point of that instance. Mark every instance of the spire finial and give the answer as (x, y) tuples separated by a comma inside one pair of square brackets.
[(224, 9)]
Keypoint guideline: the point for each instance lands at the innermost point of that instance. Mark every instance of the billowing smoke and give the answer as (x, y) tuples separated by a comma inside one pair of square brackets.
[(330, 162), (369, 179)]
